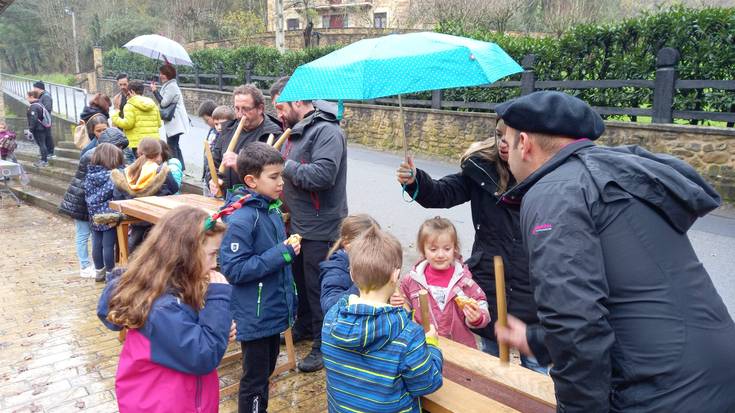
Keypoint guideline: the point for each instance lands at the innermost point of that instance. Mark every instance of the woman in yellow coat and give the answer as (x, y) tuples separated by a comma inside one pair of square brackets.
[(142, 117)]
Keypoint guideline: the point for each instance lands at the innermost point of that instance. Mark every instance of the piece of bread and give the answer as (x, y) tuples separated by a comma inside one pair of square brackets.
[(294, 239), (463, 301)]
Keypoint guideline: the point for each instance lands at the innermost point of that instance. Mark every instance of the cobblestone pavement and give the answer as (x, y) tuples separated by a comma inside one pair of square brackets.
[(55, 355)]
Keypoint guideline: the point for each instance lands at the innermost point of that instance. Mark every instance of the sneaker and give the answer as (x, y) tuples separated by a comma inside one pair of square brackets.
[(312, 362), (40, 164), (99, 275), (88, 272), (51, 156)]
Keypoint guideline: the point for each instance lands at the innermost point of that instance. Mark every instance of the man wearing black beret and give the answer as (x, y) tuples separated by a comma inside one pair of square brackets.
[(629, 317)]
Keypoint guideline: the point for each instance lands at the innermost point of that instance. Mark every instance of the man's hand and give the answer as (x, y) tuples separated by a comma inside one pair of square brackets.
[(153, 87), (229, 160), (514, 335), (406, 173), (213, 188)]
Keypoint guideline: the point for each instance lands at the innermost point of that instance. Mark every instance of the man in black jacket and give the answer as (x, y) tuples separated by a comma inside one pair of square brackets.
[(629, 317), (315, 192), (250, 105), (47, 102)]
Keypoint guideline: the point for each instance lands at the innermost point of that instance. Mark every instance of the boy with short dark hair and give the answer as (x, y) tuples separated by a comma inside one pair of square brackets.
[(255, 256), (377, 359)]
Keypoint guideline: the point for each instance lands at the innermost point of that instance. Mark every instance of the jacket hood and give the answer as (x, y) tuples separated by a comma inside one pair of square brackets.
[(90, 111), (664, 182), (339, 260), (114, 136), (317, 115), (97, 174), (143, 103), (121, 182), (364, 328)]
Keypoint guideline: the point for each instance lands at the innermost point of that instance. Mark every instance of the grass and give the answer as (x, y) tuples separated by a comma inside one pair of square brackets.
[(58, 78)]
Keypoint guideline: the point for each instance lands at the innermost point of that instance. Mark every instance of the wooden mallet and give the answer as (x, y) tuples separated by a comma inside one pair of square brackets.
[(282, 139), (233, 141), (502, 307), (212, 168), (424, 304)]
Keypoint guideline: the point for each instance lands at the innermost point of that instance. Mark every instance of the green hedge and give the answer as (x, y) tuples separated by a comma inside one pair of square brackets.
[(705, 38)]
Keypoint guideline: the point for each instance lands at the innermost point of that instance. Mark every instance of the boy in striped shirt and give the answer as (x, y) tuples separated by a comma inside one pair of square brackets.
[(376, 358)]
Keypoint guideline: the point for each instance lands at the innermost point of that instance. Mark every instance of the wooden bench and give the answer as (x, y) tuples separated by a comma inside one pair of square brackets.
[(151, 209)]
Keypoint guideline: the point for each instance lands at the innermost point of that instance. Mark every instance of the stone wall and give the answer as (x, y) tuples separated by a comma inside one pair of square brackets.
[(61, 129), (447, 134)]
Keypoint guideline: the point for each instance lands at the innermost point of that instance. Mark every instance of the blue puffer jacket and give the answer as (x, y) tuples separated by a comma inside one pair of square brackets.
[(256, 262), (98, 190), (336, 282)]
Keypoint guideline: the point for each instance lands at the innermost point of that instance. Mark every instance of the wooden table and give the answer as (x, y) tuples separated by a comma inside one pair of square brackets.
[(151, 209)]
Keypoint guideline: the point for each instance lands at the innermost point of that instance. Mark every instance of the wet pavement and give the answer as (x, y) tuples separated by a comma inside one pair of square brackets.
[(55, 355)]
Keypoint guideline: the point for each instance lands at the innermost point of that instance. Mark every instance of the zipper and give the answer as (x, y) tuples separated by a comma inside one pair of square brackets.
[(198, 397), (260, 289), (483, 171)]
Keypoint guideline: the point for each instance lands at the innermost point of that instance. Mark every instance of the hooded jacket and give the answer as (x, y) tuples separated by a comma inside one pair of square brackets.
[(380, 349), (628, 315), (315, 187), (334, 275), (142, 119), (450, 321), (230, 177), (497, 232), (73, 203), (256, 262), (89, 111), (170, 364), (161, 183)]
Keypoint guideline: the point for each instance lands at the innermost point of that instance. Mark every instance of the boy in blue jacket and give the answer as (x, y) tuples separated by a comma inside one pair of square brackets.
[(377, 359), (255, 257)]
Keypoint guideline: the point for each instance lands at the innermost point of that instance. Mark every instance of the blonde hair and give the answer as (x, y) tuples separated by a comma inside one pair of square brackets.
[(434, 227), (351, 228), (148, 149), (374, 256), (170, 259), (489, 150)]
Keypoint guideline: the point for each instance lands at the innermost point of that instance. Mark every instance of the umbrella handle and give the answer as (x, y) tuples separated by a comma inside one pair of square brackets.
[(403, 128)]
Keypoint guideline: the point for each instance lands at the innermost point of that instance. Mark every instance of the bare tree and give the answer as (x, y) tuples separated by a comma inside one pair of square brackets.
[(465, 15)]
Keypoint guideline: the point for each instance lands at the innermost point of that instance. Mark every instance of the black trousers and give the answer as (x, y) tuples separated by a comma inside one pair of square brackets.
[(45, 142), (173, 143), (258, 362), (306, 274)]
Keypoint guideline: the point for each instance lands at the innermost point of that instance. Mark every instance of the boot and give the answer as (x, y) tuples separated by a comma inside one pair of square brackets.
[(100, 275)]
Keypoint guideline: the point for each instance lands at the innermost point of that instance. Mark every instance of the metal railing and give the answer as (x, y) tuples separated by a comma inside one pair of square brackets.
[(68, 100)]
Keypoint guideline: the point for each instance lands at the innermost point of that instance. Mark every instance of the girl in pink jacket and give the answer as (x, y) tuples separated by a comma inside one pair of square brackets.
[(457, 302)]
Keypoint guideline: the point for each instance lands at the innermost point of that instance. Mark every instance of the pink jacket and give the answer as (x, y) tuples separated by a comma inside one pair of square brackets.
[(450, 322)]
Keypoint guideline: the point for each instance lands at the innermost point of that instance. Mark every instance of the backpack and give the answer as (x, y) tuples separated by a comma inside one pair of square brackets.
[(8, 143), (45, 119)]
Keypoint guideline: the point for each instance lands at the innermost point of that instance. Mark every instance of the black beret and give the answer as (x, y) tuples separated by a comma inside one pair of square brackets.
[(552, 113), (39, 85)]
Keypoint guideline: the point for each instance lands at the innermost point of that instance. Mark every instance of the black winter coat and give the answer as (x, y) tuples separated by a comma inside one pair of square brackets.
[(497, 232), (629, 317), (73, 203)]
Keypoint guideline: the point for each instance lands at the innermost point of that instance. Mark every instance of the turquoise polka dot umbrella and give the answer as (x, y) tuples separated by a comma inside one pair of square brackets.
[(398, 64)]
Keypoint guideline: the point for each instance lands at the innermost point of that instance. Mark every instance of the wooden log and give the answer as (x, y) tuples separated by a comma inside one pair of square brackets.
[(454, 398), (233, 142), (502, 307), (282, 139), (212, 168), (425, 309)]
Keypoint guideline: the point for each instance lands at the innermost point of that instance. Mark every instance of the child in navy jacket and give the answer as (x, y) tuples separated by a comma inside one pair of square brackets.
[(255, 256)]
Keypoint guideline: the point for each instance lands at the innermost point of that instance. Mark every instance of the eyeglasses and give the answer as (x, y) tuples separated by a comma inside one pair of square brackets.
[(244, 108)]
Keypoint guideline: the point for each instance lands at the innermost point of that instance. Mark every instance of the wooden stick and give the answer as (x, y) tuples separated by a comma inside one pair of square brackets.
[(403, 128), (502, 307), (424, 304), (212, 168), (270, 140), (282, 139), (233, 141)]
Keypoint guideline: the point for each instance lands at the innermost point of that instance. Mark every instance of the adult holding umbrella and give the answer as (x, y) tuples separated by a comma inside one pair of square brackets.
[(173, 110)]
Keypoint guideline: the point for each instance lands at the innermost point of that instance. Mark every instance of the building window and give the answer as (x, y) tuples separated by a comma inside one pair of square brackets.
[(334, 21), (292, 24), (380, 20)]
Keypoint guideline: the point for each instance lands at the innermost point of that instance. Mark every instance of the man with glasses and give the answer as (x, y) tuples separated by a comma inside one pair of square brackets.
[(249, 105)]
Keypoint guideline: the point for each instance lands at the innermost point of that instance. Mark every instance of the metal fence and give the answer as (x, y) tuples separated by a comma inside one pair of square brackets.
[(68, 100)]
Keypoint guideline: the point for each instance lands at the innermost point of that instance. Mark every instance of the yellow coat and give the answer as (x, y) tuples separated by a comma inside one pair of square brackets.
[(142, 119)]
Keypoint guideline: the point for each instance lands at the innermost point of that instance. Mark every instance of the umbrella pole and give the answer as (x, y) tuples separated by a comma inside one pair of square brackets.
[(403, 129)]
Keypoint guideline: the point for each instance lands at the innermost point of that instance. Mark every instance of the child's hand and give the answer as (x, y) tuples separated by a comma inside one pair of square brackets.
[(396, 299), (432, 332), (233, 331), (216, 277), (153, 86), (213, 189), (472, 313), (296, 246)]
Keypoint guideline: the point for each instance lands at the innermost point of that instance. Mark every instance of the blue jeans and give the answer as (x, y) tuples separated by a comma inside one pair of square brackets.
[(491, 347), (82, 239)]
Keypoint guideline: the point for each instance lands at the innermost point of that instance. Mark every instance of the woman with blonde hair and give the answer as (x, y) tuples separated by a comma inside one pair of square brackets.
[(483, 179)]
